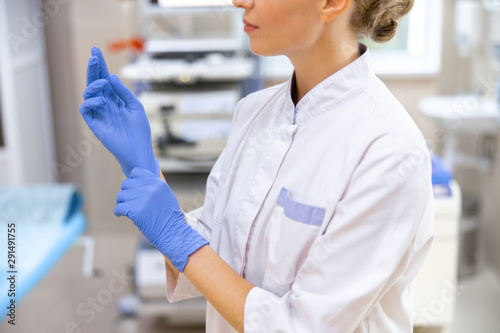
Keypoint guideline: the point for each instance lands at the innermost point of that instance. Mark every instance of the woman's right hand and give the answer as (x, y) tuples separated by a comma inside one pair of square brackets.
[(117, 118), (150, 203)]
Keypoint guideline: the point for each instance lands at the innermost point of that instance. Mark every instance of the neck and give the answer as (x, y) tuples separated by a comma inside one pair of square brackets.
[(320, 61)]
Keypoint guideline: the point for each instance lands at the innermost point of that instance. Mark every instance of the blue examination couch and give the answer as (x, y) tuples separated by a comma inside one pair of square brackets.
[(44, 221)]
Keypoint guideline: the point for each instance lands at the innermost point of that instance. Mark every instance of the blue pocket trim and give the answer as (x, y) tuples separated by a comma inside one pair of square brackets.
[(300, 212)]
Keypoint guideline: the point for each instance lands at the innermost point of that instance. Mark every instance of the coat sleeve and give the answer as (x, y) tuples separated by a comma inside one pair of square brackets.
[(378, 236)]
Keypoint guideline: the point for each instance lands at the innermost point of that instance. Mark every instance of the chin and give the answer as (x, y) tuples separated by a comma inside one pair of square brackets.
[(264, 50)]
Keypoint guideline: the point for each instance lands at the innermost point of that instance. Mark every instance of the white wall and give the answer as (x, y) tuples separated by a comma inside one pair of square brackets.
[(71, 32), (26, 111)]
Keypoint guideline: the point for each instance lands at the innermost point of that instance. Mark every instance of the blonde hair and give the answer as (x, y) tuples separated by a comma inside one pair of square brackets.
[(378, 19)]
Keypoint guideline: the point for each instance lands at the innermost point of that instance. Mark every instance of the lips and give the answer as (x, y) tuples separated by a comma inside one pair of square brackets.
[(249, 26)]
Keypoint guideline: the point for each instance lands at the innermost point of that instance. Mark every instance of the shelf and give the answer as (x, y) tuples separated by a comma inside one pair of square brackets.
[(199, 158), (182, 72), (174, 165), (197, 104), (205, 45)]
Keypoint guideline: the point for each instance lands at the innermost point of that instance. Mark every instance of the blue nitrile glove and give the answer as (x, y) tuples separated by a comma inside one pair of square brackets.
[(117, 118), (148, 201)]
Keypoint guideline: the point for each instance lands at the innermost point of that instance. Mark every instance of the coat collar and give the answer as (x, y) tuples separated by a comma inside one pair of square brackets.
[(333, 91)]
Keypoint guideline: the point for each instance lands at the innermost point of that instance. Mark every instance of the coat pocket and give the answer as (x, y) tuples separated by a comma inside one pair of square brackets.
[(298, 211), (294, 227)]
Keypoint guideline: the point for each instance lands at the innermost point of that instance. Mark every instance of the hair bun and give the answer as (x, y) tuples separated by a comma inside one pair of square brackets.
[(378, 19)]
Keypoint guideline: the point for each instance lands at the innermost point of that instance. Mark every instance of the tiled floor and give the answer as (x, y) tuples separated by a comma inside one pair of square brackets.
[(478, 307), (63, 300)]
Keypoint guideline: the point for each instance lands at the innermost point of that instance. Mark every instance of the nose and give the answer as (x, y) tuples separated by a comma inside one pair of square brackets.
[(245, 4)]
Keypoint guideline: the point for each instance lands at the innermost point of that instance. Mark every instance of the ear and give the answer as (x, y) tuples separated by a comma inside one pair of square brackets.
[(334, 8)]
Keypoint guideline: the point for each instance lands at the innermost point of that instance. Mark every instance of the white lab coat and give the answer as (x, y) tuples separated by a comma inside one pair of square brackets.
[(326, 207)]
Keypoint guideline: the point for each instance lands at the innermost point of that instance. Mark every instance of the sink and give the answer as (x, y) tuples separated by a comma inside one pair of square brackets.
[(463, 113)]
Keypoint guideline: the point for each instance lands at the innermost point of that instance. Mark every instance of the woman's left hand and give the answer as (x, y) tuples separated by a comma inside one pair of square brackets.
[(117, 118), (150, 203)]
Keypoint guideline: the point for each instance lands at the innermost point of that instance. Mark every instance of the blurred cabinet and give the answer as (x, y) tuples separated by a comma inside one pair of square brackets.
[(436, 288), (27, 143)]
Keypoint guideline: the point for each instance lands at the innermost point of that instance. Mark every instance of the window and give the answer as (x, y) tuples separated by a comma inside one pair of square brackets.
[(415, 50)]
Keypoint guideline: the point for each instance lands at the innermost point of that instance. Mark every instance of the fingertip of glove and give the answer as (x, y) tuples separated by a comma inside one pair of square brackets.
[(117, 211), (93, 60), (113, 78), (95, 50), (134, 173), (101, 83), (138, 172)]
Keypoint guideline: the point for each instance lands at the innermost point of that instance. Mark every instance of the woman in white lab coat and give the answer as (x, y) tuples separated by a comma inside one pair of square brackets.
[(319, 211)]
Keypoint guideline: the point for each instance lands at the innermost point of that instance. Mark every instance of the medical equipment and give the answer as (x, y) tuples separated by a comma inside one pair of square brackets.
[(201, 117), (438, 277), (195, 69), (441, 178), (436, 288), (192, 40), (149, 271), (149, 298), (191, 26), (149, 280)]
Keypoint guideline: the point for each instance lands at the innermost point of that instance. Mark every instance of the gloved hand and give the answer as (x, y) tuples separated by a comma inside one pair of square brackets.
[(148, 201), (117, 118)]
